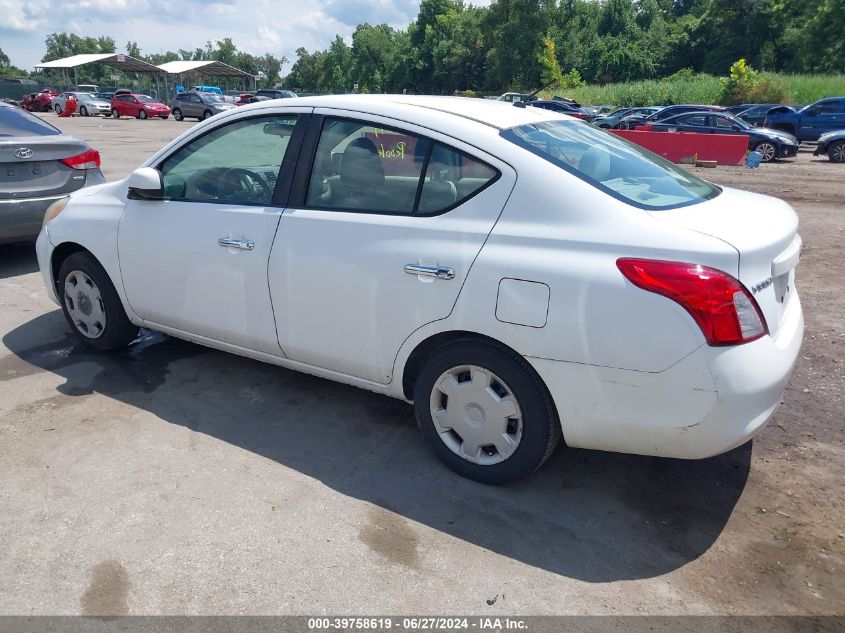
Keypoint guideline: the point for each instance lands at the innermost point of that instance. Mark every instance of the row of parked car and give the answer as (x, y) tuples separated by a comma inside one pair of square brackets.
[(774, 130)]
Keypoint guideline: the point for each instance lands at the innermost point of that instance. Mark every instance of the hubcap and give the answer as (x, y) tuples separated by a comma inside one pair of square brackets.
[(85, 305), (767, 150), (476, 415), (838, 153)]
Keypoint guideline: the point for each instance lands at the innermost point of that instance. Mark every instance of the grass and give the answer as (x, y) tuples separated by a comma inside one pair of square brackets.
[(799, 89)]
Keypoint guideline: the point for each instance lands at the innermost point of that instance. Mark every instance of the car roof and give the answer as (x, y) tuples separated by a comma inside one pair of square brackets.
[(489, 112)]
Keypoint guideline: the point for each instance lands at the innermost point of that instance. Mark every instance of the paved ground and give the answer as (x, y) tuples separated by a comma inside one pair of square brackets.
[(173, 479)]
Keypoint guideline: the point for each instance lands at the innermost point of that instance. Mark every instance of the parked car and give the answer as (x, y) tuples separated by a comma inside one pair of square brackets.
[(612, 119), (517, 274), (756, 114), (43, 101), (88, 103), (105, 96), (38, 165), (771, 144), (810, 122), (137, 105), (246, 99), (270, 93), (511, 97), (832, 144), (598, 110), (210, 89), (631, 122), (562, 107), (198, 105)]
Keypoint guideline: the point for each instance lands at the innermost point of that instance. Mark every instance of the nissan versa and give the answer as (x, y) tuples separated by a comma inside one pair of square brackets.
[(520, 275)]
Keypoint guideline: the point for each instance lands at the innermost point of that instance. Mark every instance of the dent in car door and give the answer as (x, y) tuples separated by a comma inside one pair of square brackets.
[(341, 294)]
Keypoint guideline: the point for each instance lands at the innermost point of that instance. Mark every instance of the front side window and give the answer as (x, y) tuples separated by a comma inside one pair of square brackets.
[(363, 168), (618, 167), (235, 163), (693, 119)]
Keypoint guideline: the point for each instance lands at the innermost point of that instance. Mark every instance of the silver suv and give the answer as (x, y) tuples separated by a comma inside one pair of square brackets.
[(199, 105)]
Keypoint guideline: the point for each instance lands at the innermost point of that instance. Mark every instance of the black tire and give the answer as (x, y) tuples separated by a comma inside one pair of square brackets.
[(114, 114), (83, 111), (207, 114), (177, 114), (836, 152), (119, 330), (142, 114), (57, 109), (540, 430)]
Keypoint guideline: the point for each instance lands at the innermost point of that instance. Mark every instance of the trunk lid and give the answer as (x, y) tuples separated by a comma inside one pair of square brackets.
[(763, 230), (40, 175)]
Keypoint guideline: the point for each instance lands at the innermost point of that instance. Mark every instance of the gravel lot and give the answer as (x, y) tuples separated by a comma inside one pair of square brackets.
[(173, 479)]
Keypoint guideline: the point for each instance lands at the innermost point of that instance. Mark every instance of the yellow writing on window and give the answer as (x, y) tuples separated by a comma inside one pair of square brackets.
[(396, 151)]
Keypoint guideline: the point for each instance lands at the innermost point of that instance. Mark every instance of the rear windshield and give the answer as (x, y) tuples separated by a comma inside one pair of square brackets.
[(618, 167), (15, 122)]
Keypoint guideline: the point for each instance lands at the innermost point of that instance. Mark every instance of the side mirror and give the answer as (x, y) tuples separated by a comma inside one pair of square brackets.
[(146, 183)]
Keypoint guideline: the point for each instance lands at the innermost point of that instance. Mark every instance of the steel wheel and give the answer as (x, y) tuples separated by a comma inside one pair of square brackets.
[(476, 414), (85, 305), (768, 150), (836, 153)]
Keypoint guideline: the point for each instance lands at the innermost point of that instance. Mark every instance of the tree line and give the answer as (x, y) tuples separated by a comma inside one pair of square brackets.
[(523, 44)]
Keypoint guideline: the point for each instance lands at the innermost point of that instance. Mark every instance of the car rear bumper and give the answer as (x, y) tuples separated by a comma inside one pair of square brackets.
[(21, 219), (710, 402)]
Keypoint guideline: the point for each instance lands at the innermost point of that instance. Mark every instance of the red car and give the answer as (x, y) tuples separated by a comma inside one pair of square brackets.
[(139, 106), (41, 102), (246, 99)]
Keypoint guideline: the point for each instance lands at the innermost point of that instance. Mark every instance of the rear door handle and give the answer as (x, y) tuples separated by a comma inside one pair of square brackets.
[(229, 242), (440, 272)]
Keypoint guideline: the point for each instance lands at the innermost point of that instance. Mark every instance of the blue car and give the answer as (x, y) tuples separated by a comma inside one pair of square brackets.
[(772, 144), (810, 122), (832, 144)]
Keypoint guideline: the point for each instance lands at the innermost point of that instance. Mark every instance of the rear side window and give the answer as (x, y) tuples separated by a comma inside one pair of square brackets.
[(610, 163), (363, 168), (15, 122)]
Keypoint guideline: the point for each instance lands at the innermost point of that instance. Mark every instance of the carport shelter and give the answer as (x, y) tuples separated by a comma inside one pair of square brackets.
[(198, 69), (120, 61)]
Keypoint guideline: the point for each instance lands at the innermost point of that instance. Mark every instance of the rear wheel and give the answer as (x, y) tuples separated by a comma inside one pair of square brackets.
[(57, 109), (836, 152), (142, 114), (91, 305), (177, 114), (485, 412), (768, 150)]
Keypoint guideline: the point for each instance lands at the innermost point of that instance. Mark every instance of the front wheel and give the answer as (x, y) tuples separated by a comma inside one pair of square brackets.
[(83, 111), (91, 305), (207, 114), (767, 150), (115, 114), (177, 114), (57, 108), (836, 152), (485, 412)]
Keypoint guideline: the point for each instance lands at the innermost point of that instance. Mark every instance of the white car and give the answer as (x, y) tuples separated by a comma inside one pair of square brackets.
[(519, 275), (87, 104)]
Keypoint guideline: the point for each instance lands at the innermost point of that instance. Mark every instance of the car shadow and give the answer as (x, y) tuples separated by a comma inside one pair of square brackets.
[(593, 516), (17, 259)]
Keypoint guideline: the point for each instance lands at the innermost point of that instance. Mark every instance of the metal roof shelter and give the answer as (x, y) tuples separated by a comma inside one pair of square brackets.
[(115, 60), (209, 68)]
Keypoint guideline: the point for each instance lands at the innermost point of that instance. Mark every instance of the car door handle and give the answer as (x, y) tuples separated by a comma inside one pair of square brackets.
[(441, 272), (229, 242)]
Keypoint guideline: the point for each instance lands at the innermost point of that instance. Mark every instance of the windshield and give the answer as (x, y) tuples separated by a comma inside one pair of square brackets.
[(14, 122), (618, 167), (740, 123), (145, 99)]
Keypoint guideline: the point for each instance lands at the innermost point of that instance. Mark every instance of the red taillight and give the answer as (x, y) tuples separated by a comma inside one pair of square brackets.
[(724, 310), (85, 160)]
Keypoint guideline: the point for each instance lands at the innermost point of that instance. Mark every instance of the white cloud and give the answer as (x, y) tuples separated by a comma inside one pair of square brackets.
[(257, 26)]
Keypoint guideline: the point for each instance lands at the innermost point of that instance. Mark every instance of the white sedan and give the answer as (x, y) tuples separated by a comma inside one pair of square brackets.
[(519, 275)]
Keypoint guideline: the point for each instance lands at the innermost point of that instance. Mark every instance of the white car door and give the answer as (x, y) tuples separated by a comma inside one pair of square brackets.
[(367, 251), (197, 260)]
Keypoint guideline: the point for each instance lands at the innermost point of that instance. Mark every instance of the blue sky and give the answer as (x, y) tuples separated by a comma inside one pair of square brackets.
[(256, 26)]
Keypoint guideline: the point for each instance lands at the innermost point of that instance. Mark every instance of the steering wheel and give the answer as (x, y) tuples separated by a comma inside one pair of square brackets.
[(244, 181)]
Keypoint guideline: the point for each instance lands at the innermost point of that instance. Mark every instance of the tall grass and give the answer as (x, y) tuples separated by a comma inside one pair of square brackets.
[(800, 89)]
